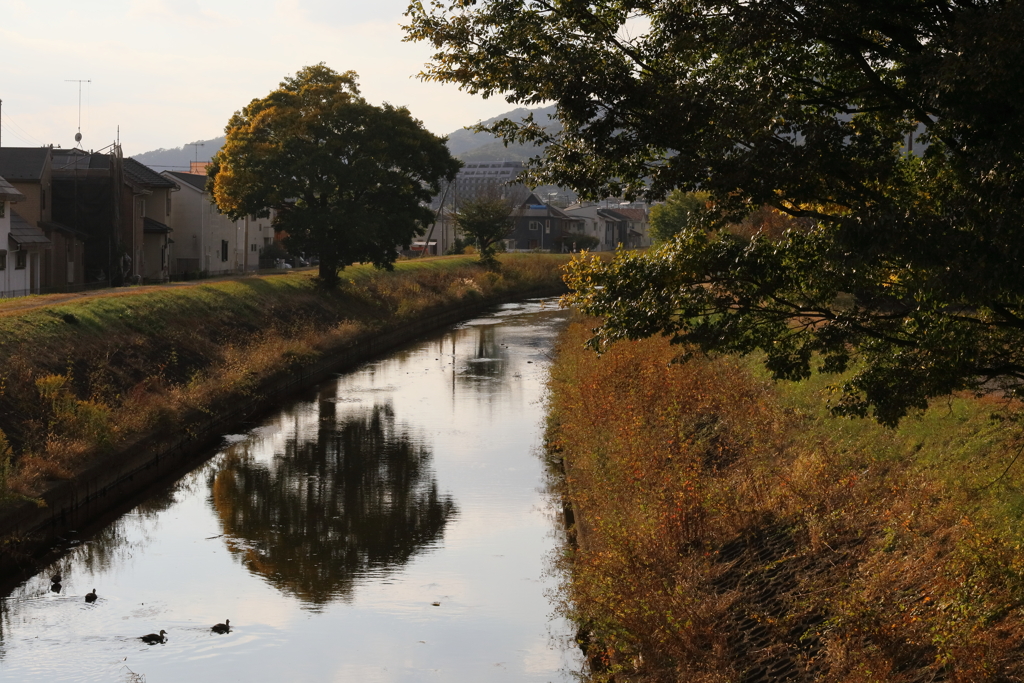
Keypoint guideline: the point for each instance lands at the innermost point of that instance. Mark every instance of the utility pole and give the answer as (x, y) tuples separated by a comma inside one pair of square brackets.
[(78, 135), (196, 146)]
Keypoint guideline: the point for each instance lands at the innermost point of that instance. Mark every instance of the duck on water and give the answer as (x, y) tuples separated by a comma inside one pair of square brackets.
[(222, 628), (154, 638)]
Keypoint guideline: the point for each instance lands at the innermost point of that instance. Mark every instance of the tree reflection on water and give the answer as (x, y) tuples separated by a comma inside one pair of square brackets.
[(358, 495)]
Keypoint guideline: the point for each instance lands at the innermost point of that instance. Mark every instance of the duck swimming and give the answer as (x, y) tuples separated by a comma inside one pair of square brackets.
[(91, 597), (153, 638), (222, 628)]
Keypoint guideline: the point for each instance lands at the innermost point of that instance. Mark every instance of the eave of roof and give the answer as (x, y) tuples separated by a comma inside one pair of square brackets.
[(54, 225), (194, 180), (8, 193), (25, 235), (150, 225)]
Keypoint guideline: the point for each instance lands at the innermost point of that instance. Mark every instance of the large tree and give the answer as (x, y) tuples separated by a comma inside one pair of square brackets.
[(895, 129), (348, 181)]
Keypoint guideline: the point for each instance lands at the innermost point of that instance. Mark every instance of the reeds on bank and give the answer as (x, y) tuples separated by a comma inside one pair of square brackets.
[(729, 529)]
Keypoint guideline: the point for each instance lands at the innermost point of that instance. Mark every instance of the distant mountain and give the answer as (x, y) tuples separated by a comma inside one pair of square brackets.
[(179, 158), (470, 146), (464, 144)]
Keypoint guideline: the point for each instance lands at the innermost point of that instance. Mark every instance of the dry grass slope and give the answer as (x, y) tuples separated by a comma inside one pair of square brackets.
[(727, 529), (87, 376)]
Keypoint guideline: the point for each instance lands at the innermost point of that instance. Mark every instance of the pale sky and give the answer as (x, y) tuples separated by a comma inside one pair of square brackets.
[(172, 71)]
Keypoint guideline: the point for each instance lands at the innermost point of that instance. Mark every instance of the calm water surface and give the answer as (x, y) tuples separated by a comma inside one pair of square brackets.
[(326, 533)]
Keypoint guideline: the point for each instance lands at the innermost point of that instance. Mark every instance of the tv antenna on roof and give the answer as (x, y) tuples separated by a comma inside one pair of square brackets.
[(78, 135)]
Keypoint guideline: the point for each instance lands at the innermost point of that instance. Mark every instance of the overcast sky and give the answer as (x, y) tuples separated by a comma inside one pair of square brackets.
[(172, 71)]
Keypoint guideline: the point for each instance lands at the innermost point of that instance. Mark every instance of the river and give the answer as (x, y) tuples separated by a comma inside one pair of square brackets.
[(391, 525)]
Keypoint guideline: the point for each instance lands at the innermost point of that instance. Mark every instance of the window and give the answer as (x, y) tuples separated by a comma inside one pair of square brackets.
[(3, 209), (3, 259), (20, 260), (223, 250), (547, 226), (534, 225), (252, 247)]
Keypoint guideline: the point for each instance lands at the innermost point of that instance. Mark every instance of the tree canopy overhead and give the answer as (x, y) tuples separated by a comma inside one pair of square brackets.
[(348, 180), (896, 128)]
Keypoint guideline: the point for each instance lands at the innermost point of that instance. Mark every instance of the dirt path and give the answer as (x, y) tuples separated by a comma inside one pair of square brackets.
[(26, 303)]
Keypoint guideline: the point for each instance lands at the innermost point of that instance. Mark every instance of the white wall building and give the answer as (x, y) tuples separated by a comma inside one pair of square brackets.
[(207, 240), (20, 246)]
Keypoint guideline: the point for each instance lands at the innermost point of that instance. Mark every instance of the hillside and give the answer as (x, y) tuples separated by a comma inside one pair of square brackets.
[(464, 144), (178, 158), (470, 146)]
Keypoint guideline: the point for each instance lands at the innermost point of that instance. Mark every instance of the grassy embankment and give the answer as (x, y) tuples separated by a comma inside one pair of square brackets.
[(88, 376), (729, 529)]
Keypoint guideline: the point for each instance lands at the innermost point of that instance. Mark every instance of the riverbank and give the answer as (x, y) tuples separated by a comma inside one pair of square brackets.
[(102, 395), (729, 529)]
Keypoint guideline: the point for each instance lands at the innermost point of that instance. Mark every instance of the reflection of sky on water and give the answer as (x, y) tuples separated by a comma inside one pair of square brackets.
[(325, 534)]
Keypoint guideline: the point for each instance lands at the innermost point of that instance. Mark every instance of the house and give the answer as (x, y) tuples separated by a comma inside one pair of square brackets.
[(87, 196), (206, 240), (628, 227), (29, 170), (20, 247), (540, 226), (638, 234), (151, 206)]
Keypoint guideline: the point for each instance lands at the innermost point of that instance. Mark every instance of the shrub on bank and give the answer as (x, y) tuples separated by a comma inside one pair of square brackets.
[(82, 377), (728, 529)]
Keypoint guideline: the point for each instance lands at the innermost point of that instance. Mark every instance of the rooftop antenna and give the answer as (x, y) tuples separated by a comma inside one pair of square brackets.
[(196, 146), (78, 135)]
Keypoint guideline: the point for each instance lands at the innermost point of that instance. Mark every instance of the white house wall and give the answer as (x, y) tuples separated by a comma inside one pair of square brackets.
[(14, 281)]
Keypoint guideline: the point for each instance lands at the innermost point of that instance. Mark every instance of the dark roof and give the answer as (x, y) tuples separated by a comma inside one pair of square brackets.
[(8, 193), (24, 234), (23, 163), (143, 175), (194, 179), (68, 159), (150, 225)]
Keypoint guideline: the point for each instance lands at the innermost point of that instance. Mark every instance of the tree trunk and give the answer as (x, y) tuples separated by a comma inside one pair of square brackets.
[(329, 272)]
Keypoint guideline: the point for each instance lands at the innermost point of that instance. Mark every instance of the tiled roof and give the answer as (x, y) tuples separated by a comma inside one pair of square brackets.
[(143, 175), (67, 159), (26, 235), (150, 225), (8, 193), (194, 179), (23, 163), (635, 215)]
